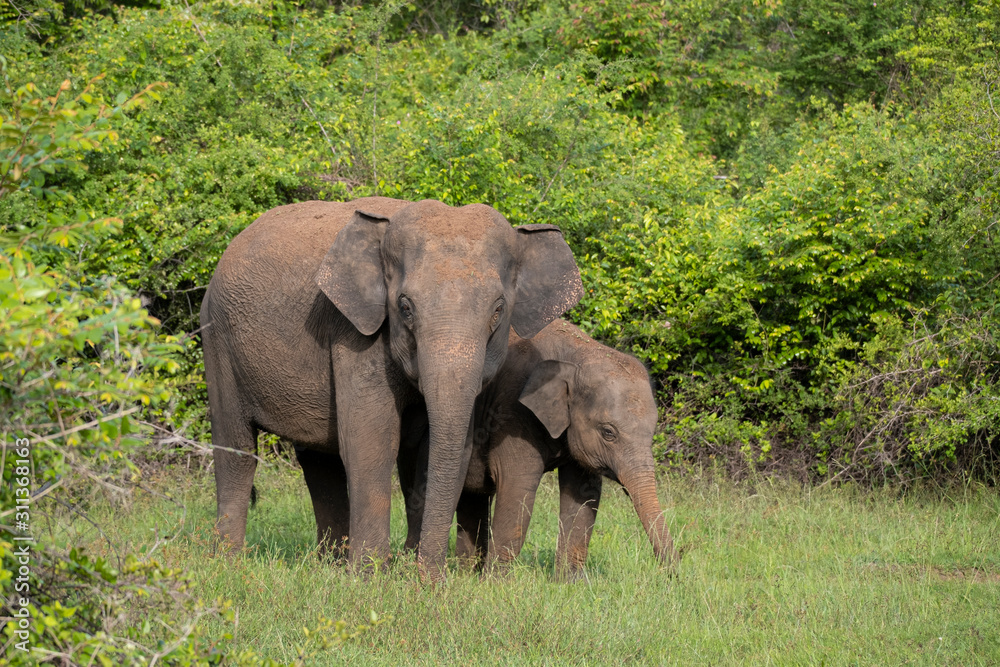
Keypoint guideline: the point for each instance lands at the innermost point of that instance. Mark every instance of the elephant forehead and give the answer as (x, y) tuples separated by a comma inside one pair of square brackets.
[(640, 404), (454, 275), (620, 384), (432, 222), (423, 261), (626, 370)]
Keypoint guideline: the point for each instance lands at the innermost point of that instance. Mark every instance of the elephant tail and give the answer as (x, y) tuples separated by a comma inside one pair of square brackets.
[(253, 496)]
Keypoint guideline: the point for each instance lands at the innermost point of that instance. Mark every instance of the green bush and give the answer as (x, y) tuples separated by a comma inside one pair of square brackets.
[(923, 394), (79, 358), (758, 314), (702, 61)]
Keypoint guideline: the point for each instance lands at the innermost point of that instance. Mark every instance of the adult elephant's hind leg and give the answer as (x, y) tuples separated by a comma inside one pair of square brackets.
[(234, 442), (235, 446), (327, 482), (411, 462)]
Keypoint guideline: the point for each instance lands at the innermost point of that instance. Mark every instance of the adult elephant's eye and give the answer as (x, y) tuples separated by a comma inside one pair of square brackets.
[(497, 314), (406, 308)]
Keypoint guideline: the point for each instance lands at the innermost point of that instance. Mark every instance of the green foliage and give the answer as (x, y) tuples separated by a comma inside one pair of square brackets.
[(47, 21), (727, 67), (701, 60), (141, 612), (71, 345), (199, 167), (922, 391), (78, 356), (759, 313), (88, 612), (540, 146), (843, 235), (845, 50)]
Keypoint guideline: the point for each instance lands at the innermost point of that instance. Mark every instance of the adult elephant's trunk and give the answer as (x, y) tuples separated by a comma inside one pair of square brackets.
[(640, 482), (450, 379)]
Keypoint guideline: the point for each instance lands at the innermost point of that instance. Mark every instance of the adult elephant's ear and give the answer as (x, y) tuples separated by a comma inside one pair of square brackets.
[(547, 394), (351, 273), (548, 281)]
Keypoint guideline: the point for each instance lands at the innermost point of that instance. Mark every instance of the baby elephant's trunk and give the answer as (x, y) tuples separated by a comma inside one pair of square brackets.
[(641, 486)]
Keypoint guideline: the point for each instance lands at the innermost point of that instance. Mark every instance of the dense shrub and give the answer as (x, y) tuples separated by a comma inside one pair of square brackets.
[(701, 61), (79, 355), (80, 359), (923, 395)]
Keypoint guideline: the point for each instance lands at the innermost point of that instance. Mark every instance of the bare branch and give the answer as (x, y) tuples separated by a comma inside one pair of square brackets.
[(322, 129)]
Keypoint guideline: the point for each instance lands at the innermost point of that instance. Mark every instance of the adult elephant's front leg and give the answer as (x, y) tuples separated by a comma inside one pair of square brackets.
[(369, 444), (368, 424)]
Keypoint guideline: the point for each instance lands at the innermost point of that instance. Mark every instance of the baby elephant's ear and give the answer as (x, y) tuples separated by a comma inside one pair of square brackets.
[(547, 394), (351, 274)]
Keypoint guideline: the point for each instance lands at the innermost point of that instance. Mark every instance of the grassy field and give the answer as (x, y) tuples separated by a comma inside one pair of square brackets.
[(769, 575)]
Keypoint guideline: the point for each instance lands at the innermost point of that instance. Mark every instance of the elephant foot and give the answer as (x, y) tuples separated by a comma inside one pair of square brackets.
[(571, 575), (336, 553), (366, 563), (431, 574), (496, 568), (225, 543)]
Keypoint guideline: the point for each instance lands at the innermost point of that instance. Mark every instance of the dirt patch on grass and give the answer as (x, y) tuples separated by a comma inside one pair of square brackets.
[(976, 575)]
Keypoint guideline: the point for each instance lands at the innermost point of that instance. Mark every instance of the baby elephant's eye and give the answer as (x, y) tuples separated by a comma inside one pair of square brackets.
[(608, 432)]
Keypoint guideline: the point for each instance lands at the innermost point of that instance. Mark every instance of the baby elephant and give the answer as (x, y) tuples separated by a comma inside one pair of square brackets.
[(561, 400)]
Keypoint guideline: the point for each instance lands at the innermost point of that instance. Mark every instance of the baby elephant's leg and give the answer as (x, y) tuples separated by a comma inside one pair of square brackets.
[(579, 496)]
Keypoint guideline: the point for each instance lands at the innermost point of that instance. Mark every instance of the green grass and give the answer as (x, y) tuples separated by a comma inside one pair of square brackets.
[(769, 575)]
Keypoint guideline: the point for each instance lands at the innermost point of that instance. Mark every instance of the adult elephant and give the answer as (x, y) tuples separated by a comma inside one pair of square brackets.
[(324, 321)]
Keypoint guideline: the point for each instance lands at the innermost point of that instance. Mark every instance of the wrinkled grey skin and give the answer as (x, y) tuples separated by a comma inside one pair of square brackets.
[(325, 321), (561, 400)]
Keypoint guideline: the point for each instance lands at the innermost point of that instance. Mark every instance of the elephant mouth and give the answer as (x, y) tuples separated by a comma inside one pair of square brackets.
[(610, 474)]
